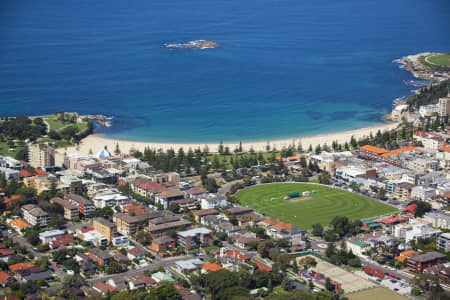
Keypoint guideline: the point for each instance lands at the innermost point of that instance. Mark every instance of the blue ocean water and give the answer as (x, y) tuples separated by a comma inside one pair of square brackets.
[(284, 68)]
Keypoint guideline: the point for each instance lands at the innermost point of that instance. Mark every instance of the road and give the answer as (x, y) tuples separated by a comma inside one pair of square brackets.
[(23, 242), (166, 262)]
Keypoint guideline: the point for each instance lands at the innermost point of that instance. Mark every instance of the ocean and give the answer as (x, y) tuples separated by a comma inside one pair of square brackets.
[(284, 68)]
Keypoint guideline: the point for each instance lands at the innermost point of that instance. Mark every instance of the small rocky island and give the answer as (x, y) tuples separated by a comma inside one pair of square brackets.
[(199, 44)]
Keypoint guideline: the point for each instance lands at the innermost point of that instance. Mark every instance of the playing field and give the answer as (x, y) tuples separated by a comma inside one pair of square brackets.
[(440, 59), (320, 207), (379, 293)]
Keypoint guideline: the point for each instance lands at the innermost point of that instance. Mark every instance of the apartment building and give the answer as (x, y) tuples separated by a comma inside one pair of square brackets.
[(194, 238), (105, 227), (443, 242), (421, 262), (34, 215), (41, 155), (70, 210), (85, 207)]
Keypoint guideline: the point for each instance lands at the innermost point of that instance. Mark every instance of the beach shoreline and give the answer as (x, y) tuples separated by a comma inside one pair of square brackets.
[(95, 142)]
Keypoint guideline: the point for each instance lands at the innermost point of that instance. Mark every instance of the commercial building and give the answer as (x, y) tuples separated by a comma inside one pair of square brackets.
[(34, 215), (109, 198)]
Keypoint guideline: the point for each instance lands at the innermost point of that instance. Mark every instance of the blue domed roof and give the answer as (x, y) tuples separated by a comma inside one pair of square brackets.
[(104, 153)]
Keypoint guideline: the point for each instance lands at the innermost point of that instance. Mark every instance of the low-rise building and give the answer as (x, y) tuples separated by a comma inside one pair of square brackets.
[(100, 256), (85, 207), (195, 238), (105, 227), (163, 244), (421, 262), (443, 242), (34, 215), (70, 210), (47, 236)]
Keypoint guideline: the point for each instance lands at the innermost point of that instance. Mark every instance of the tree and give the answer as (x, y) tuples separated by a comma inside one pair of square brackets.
[(307, 262), (331, 250), (381, 193), (114, 267), (167, 292), (117, 150), (328, 284), (422, 208), (317, 229)]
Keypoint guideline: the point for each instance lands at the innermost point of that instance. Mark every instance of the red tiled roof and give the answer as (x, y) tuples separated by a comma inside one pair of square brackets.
[(40, 172), (12, 198), (410, 208), (4, 277), (421, 133), (84, 230), (6, 252), (262, 267), (211, 267), (374, 149), (105, 288), (399, 150), (25, 173), (21, 266)]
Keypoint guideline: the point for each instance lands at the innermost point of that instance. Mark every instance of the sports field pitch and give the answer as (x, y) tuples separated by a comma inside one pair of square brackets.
[(320, 207)]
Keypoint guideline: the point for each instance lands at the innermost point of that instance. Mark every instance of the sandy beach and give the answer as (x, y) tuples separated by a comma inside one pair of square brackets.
[(95, 142)]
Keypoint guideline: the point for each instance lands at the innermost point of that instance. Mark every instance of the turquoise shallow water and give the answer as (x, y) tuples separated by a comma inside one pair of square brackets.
[(284, 68)]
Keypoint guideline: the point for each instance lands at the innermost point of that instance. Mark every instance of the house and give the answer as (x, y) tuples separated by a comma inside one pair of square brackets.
[(5, 254), (163, 244), (406, 255), (34, 215), (91, 236), (85, 207), (195, 238), (19, 225), (421, 262), (103, 288), (6, 279), (21, 267), (162, 277), (70, 210), (105, 227), (139, 281), (61, 241), (198, 215), (100, 256), (244, 240), (135, 253)]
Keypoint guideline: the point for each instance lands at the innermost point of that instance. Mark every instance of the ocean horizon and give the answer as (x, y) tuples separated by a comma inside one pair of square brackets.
[(282, 69)]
